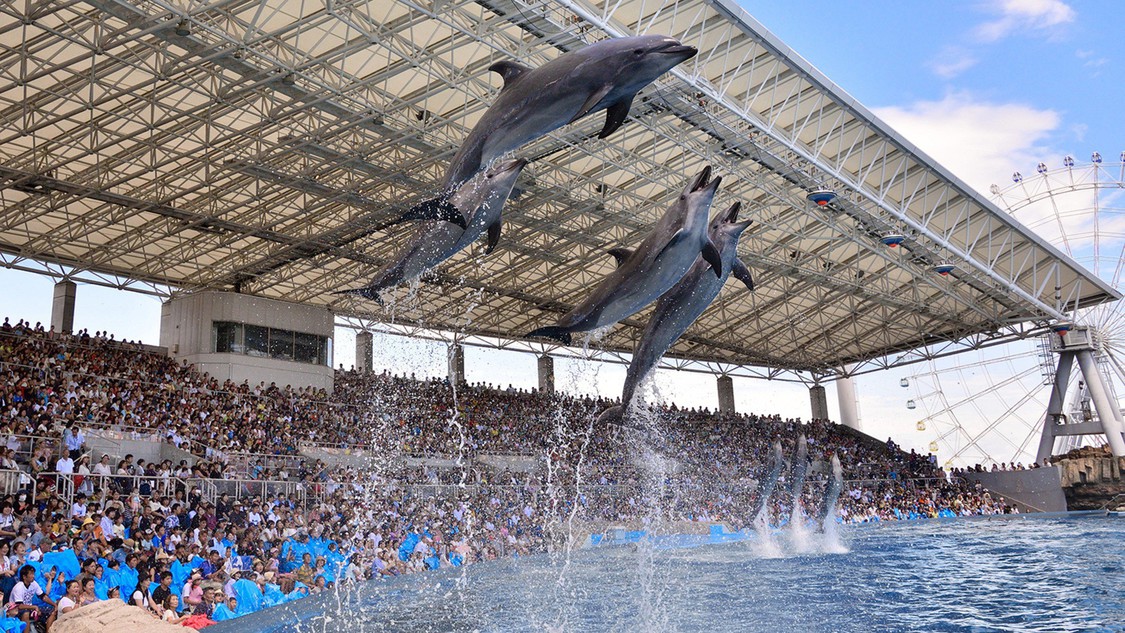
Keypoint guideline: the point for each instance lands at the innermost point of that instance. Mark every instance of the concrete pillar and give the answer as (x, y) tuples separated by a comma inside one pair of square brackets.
[(62, 308), (364, 351), (726, 394), (819, 400), (1055, 406), (849, 405), (1106, 410), (546, 374), (456, 364)]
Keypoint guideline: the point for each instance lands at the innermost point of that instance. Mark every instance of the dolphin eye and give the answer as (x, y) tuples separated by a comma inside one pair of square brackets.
[(639, 52)]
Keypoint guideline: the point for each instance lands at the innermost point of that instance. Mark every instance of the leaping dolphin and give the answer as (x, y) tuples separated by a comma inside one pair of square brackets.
[(768, 483), (831, 493), (481, 199), (661, 260), (678, 308), (606, 75), (799, 471)]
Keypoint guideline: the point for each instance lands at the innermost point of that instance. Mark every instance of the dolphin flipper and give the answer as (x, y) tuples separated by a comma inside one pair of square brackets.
[(592, 101), (742, 273), (620, 254), (369, 292), (493, 236), (615, 116), (552, 332), (711, 255), (439, 208)]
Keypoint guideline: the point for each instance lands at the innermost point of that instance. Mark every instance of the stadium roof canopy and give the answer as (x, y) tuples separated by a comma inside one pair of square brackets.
[(260, 146)]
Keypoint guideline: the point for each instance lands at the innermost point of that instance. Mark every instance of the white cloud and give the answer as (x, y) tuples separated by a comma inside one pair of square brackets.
[(952, 61), (981, 142), (1025, 15)]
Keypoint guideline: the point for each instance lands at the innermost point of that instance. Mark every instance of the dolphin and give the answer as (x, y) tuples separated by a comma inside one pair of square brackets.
[(831, 493), (800, 470), (678, 308), (661, 260), (606, 75), (768, 483), (481, 199)]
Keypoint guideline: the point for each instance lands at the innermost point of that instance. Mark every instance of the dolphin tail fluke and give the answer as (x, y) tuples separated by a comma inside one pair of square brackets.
[(711, 256), (552, 332), (612, 415), (369, 292), (439, 208)]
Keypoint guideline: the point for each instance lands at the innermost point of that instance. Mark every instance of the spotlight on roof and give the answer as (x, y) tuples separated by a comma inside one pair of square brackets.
[(183, 29), (892, 239), (289, 79), (821, 197), (944, 268)]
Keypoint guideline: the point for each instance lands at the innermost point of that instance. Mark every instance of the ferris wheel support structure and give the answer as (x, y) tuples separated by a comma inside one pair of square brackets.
[(1062, 391), (1077, 345)]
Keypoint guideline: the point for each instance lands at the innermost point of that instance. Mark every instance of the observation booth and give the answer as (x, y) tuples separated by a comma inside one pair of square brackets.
[(240, 337)]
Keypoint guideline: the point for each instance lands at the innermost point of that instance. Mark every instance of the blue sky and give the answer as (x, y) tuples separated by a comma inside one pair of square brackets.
[(986, 87), (1017, 81)]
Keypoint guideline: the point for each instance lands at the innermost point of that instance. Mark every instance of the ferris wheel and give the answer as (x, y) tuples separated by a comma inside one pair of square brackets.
[(988, 406)]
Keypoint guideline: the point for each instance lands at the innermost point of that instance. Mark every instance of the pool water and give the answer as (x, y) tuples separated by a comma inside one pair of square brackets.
[(1043, 574)]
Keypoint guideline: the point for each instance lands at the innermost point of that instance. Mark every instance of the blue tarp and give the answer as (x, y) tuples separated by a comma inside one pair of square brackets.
[(222, 612), (248, 595)]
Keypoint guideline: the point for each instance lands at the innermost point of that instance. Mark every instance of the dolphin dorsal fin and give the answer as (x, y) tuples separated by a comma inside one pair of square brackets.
[(509, 70), (620, 254)]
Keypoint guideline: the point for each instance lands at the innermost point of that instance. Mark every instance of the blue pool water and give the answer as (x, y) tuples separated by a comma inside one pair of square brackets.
[(1046, 574)]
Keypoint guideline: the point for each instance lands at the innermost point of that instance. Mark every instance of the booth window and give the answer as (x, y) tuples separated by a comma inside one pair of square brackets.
[(266, 342)]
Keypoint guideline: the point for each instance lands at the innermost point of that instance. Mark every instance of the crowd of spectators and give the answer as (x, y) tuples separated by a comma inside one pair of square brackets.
[(148, 532)]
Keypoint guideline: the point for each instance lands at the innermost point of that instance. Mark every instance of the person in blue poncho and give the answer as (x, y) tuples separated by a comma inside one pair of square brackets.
[(225, 610)]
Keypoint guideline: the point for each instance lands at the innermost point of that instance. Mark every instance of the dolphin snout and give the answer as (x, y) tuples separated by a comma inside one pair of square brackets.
[(677, 49), (713, 186), (700, 180), (732, 212)]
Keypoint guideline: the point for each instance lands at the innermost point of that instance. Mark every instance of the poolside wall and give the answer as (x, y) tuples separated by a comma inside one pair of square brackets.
[(1033, 490)]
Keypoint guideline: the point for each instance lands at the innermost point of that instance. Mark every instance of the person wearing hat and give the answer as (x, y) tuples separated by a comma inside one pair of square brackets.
[(193, 590), (36, 554)]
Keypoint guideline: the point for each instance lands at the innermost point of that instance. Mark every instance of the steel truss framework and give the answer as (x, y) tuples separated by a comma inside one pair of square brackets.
[(262, 146)]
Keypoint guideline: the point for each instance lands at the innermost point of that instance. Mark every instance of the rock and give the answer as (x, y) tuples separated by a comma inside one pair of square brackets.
[(112, 616)]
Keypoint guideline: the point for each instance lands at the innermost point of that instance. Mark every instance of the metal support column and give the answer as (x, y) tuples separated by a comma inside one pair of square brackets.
[(818, 398), (1105, 408), (457, 364), (364, 352), (849, 405), (62, 307), (726, 394), (546, 374), (1055, 406)]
